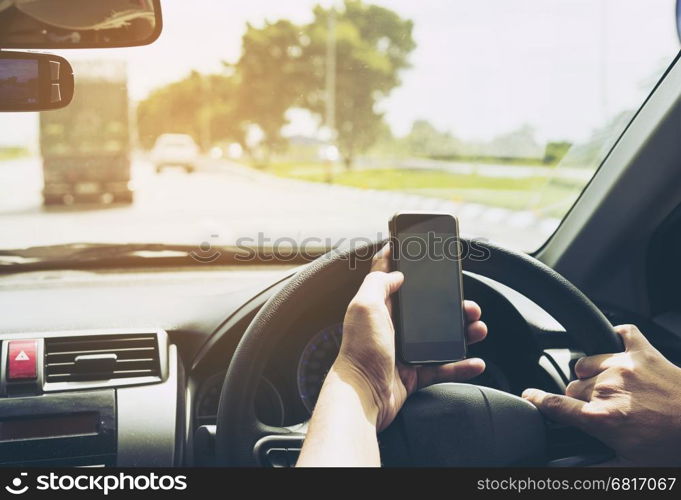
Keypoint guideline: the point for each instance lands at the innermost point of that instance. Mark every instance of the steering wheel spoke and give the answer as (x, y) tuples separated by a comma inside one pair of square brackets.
[(279, 446), (571, 447)]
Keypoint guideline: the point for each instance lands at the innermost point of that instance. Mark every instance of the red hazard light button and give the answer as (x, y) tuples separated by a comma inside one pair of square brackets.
[(22, 359)]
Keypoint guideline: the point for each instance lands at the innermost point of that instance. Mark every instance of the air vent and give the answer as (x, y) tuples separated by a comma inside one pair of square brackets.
[(101, 357)]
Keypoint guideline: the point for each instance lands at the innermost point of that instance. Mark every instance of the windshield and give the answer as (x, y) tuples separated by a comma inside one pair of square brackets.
[(309, 123)]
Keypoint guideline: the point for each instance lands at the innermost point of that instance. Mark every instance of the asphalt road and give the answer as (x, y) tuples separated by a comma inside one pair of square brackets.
[(224, 204)]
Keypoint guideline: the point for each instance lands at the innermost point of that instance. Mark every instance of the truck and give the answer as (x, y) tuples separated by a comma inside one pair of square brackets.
[(85, 147)]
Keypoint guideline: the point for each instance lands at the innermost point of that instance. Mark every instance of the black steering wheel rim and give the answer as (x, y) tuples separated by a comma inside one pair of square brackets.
[(238, 428)]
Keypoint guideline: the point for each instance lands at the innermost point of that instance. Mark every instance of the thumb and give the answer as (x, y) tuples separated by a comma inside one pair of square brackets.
[(563, 409), (380, 285), (393, 282)]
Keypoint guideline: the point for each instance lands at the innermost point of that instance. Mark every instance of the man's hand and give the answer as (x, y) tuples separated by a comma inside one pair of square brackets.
[(631, 401), (367, 354), (365, 388)]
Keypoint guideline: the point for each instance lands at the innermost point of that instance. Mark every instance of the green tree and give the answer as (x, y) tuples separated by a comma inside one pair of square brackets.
[(282, 66), (590, 152), (425, 140), (272, 78), (203, 106), (555, 151), (372, 46), (519, 143)]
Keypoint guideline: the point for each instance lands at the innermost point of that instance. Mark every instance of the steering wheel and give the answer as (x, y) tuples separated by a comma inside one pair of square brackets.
[(446, 424)]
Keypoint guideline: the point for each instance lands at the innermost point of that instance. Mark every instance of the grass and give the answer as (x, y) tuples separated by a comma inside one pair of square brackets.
[(530, 193), (535, 162)]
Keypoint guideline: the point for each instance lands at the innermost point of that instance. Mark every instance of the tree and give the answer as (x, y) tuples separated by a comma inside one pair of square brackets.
[(203, 106), (590, 152), (272, 77), (555, 151), (518, 143), (372, 48), (282, 66), (425, 140)]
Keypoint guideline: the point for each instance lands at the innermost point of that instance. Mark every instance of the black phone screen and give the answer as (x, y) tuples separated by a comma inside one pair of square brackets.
[(430, 323)]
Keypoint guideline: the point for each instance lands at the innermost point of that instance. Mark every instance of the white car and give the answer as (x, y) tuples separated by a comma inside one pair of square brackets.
[(175, 150)]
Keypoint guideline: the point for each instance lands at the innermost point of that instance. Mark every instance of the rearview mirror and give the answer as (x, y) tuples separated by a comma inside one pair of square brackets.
[(78, 24), (34, 82)]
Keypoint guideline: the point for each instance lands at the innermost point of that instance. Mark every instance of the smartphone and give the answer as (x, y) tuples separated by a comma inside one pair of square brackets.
[(428, 308)]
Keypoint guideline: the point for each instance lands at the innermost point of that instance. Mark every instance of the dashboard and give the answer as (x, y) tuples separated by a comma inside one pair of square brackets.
[(145, 326), (201, 313), (289, 390)]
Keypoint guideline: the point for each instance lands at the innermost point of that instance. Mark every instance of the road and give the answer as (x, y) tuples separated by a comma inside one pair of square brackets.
[(222, 202)]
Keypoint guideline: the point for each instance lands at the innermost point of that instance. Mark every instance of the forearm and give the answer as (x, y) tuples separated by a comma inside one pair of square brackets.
[(342, 429)]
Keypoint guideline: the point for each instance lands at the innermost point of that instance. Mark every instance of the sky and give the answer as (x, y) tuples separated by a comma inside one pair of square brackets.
[(481, 67)]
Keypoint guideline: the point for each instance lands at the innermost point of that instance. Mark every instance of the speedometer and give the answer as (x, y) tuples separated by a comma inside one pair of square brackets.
[(318, 356)]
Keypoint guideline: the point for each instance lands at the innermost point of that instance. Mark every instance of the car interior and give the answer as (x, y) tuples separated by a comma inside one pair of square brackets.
[(145, 356)]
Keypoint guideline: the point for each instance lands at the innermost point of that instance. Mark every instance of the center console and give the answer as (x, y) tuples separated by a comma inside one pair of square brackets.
[(90, 398)]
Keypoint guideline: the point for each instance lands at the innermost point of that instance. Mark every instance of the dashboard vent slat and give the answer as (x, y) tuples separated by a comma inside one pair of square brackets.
[(136, 355)]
